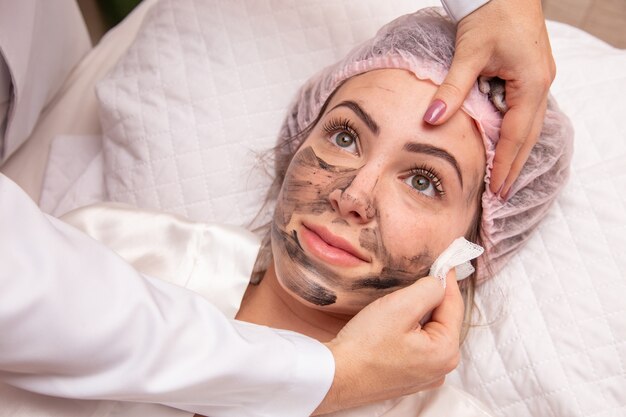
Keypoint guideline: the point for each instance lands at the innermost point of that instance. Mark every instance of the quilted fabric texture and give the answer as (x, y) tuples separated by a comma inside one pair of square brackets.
[(204, 88)]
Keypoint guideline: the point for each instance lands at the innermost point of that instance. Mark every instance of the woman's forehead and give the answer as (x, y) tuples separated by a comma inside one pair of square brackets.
[(395, 100), (387, 82), (396, 95), (392, 102)]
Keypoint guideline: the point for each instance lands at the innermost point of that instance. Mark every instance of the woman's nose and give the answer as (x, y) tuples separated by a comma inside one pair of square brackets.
[(354, 202)]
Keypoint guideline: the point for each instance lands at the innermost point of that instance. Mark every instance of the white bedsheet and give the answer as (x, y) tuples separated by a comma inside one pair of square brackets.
[(551, 336), (74, 175)]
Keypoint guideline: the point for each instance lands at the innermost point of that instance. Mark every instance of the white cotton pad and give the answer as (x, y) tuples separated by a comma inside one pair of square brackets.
[(458, 255)]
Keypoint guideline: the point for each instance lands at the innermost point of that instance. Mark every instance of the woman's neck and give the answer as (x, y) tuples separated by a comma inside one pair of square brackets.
[(269, 304)]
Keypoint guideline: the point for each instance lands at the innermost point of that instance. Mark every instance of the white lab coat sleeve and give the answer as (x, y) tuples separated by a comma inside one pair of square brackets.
[(458, 9), (77, 321)]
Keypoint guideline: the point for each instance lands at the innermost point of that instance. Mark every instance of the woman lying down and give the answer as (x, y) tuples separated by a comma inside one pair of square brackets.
[(366, 197)]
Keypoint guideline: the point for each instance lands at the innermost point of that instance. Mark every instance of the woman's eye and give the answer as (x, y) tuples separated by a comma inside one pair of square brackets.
[(425, 183), (345, 140), (341, 132), (422, 184)]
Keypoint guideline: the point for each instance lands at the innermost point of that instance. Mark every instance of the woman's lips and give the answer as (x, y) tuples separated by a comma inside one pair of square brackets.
[(330, 248)]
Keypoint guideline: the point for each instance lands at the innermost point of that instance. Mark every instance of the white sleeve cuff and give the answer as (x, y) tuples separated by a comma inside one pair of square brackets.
[(458, 9), (314, 371)]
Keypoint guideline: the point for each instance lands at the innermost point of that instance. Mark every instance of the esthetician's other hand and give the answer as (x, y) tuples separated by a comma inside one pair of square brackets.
[(507, 39), (384, 353)]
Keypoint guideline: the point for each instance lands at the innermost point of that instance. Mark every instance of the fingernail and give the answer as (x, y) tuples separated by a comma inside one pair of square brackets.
[(434, 112)]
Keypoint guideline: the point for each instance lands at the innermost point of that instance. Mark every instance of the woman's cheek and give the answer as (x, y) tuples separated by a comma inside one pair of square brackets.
[(428, 236)]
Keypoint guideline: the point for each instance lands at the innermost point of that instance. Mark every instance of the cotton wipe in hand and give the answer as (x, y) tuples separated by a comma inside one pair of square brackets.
[(457, 256)]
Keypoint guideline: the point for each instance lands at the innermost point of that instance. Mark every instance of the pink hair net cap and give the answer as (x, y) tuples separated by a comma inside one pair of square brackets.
[(423, 43)]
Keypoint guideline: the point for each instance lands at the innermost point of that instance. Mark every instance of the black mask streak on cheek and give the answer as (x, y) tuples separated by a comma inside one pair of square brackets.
[(311, 155), (396, 273), (308, 184), (391, 278), (315, 294), (404, 275), (370, 241), (302, 285), (294, 235), (345, 183), (420, 264), (377, 283), (297, 255)]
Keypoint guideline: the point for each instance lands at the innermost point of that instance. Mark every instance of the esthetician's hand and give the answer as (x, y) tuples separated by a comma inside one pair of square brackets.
[(384, 353), (507, 39)]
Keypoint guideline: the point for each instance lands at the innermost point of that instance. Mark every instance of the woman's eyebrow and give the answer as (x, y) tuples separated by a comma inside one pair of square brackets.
[(436, 152), (367, 119)]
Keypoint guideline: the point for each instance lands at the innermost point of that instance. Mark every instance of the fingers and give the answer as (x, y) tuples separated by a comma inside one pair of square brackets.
[(408, 305), (520, 130), (525, 150), (435, 384), (450, 95), (449, 314)]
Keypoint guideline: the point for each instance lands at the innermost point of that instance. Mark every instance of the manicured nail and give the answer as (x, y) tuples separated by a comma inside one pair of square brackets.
[(434, 112)]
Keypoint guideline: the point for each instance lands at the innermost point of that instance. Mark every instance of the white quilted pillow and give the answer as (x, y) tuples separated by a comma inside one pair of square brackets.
[(204, 88)]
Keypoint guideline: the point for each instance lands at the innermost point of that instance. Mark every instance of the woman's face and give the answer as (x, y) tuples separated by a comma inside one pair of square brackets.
[(374, 194)]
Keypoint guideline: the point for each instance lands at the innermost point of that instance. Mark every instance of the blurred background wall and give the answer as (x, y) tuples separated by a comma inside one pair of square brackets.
[(605, 19)]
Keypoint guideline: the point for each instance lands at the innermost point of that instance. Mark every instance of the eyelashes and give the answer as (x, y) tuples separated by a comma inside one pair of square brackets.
[(342, 133), (433, 188), (342, 124)]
